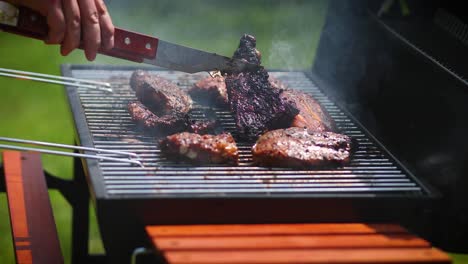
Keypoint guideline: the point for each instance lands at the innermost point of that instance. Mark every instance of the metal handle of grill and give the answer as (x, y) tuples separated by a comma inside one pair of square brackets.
[(132, 158), (55, 79)]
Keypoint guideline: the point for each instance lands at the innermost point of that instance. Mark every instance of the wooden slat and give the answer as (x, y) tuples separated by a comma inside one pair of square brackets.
[(23, 256), (289, 242), (292, 243), (424, 255), (272, 229), (33, 226)]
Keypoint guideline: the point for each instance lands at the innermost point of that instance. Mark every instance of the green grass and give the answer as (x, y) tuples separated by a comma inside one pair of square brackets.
[(40, 111), (459, 258)]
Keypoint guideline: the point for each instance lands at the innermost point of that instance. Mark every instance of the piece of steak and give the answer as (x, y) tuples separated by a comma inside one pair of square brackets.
[(298, 147), (163, 107), (160, 95), (256, 106), (168, 124), (311, 114), (210, 91), (158, 125), (201, 149)]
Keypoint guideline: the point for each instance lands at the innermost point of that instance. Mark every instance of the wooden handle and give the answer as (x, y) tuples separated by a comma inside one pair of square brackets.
[(136, 45), (127, 45)]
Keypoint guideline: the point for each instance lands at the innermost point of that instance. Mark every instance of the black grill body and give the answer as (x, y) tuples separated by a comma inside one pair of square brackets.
[(404, 77), (374, 186)]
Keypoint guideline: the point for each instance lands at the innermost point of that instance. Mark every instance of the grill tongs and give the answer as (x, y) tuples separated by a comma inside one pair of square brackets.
[(55, 79), (127, 157)]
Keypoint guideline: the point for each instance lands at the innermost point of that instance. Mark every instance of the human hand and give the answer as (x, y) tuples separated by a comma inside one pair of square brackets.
[(75, 22)]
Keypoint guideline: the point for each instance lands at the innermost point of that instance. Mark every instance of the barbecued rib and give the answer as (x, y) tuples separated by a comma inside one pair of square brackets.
[(257, 107), (298, 147), (201, 149)]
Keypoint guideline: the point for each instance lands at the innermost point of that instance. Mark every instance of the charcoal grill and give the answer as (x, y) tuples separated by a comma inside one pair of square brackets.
[(372, 170), (373, 186)]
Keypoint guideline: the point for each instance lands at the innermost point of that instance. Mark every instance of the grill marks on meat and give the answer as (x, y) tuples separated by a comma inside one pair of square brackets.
[(210, 91), (201, 149), (311, 114), (257, 107), (162, 108), (298, 147)]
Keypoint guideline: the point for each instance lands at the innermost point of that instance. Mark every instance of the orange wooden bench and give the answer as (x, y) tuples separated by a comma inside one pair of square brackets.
[(292, 243), (33, 227)]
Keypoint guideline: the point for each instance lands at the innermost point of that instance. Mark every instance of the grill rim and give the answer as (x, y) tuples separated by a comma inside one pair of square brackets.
[(83, 136), (95, 177)]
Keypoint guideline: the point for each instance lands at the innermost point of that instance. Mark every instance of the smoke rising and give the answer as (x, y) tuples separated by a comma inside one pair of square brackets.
[(282, 53), (287, 32)]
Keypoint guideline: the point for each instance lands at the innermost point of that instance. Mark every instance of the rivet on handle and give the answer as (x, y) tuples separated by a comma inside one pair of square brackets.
[(127, 41)]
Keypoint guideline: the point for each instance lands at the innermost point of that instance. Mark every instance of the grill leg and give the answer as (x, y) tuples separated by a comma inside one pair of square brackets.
[(120, 232), (80, 221)]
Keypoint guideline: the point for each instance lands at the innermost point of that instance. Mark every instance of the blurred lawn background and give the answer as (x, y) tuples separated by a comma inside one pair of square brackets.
[(287, 34)]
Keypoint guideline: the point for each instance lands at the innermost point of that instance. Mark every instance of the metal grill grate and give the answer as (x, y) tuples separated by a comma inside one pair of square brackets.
[(372, 170)]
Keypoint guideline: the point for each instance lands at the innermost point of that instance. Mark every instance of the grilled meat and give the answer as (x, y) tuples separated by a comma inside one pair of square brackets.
[(160, 125), (203, 127), (161, 96), (168, 124), (201, 149), (277, 83), (311, 115), (247, 50), (298, 147), (162, 108), (210, 90), (257, 107)]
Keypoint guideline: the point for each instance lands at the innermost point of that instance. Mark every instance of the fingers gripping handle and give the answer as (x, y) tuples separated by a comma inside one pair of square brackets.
[(127, 45)]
